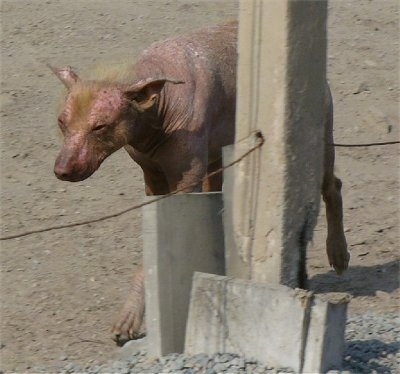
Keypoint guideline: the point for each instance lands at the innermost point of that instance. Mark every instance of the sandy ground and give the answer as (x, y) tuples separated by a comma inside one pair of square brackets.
[(63, 287)]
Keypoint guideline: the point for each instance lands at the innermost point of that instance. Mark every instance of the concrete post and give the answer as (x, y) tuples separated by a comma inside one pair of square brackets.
[(275, 192), (181, 234)]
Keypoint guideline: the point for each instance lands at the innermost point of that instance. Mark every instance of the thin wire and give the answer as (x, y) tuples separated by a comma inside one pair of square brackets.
[(365, 144), (260, 142)]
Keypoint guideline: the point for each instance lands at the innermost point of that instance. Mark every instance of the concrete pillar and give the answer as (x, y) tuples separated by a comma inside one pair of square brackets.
[(181, 234), (275, 192)]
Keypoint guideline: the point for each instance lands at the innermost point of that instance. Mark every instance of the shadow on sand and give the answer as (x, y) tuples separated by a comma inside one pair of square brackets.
[(358, 280)]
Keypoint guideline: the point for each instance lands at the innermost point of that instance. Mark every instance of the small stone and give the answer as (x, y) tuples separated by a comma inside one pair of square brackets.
[(201, 360), (239, 362), (220, 367), (251, 360), (72, 368), (177, 365), (261, 370), (382, 295), (189, 364), (163, 360), (250, 368), (363, 87), (370, 63), (225, 357), (96, 369)]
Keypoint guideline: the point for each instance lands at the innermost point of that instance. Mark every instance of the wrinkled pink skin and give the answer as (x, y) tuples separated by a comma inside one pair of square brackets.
[(173, 121)]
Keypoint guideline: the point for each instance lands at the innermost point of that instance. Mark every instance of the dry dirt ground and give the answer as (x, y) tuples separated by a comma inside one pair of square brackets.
[(61, 287)]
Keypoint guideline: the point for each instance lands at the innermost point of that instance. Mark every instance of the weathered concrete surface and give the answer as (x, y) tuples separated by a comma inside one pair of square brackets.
[(276, 191), (325, 336), (277, 325), (181, 234), (253, 320)]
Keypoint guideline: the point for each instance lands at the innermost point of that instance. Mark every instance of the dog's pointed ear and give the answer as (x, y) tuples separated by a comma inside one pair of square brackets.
[(146, 91), (66, 75)]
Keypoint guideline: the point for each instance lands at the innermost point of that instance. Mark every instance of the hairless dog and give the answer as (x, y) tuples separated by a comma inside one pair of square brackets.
[(172, 111)]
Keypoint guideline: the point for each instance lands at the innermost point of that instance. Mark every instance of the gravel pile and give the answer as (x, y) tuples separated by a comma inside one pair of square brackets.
[(372, 346), (178, 363)]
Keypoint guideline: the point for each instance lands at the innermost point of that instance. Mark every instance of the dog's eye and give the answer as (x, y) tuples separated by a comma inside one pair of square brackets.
[(99, 127), (61, 124)]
